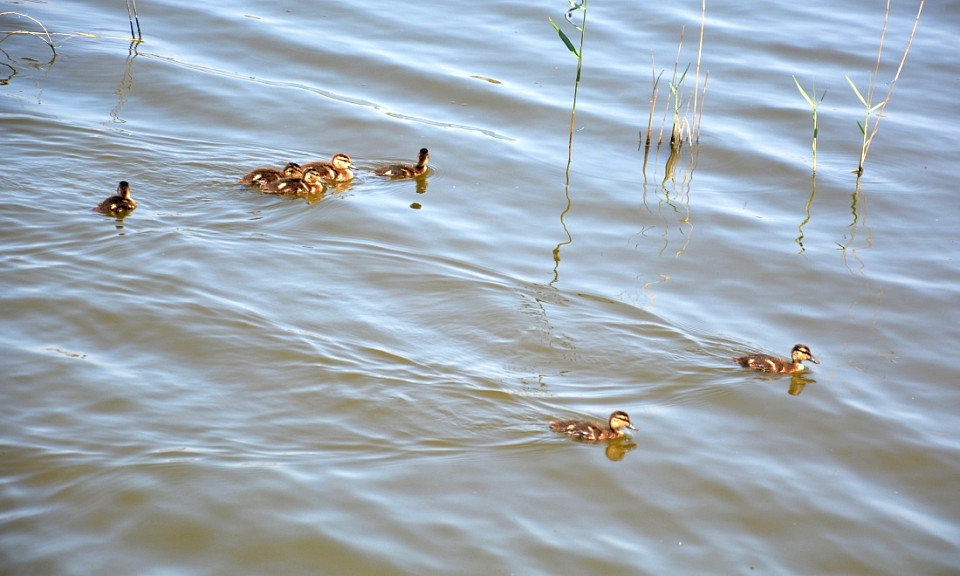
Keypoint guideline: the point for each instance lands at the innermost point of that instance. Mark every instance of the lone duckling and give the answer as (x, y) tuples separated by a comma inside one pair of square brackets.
[(594, 431), (261, 176), (777, 364), (120, 204), (338, 169), (406, 170), (308, 183)]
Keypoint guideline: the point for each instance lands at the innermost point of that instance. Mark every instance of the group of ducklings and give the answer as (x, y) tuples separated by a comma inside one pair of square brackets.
[(594, 431), (308, 178), (312, 177)]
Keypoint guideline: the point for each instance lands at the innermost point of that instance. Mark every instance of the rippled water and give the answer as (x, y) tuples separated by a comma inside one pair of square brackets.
[(229, 382)]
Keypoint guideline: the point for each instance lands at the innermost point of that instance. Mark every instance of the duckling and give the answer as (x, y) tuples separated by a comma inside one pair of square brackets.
[(593, 431), (406, 170), (119, 204), (336, 170), (309, 183), (266, 174), (776, 364)]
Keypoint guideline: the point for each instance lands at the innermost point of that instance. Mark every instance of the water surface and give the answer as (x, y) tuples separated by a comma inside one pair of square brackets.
[(232, 382)]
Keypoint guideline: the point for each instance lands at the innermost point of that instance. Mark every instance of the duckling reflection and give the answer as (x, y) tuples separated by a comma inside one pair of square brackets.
[(594, 431), (263, 175), (799, 381), (777, 364), (309, 183), (119, 204), (338, 169), (618, 447), (406, 170)]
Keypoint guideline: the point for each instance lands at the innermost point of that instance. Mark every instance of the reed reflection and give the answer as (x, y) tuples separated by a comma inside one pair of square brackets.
[(672, 206), (126, 83), (858, 210), (813, 194)]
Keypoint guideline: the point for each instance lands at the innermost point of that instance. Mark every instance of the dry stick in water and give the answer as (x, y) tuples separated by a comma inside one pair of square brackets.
[(133, 16), (48, 40)]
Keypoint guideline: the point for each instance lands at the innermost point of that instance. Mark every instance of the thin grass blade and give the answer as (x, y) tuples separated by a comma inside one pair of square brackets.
[(803, 92), (856, 91), (569, 44)]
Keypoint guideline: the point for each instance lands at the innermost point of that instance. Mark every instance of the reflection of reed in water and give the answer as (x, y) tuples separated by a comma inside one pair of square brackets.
[(672, 209), (126, 84), (858, 210), (806, 220)]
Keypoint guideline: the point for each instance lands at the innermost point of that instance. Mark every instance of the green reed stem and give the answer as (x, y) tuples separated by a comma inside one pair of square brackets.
[(575, 6), (813, 107)]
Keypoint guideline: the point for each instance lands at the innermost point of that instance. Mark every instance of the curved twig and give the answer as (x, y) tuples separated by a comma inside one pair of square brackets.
[(49, 39)]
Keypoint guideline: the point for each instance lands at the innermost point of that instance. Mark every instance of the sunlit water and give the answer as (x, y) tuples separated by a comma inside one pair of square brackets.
[(229, 382)]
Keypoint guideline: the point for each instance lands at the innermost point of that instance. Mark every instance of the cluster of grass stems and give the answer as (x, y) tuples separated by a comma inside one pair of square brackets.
[(869, 107), (872, 111), (686, 126)]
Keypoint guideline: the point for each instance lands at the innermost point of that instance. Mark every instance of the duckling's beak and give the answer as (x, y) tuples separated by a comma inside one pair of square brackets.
[(814, 360), (632, 427)]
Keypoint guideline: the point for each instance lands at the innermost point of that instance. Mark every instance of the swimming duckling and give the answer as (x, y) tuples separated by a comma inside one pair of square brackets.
[(590, 430), (776, 364), (406, 170), (119, 204), (309, 183), (266, 174), (336, 170)]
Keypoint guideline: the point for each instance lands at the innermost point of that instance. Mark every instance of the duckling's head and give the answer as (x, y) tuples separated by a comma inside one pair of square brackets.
[(292, 170), (341, 161), (123, 189), (311, 176), (620, 420), (802, 352), (423, 157)]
